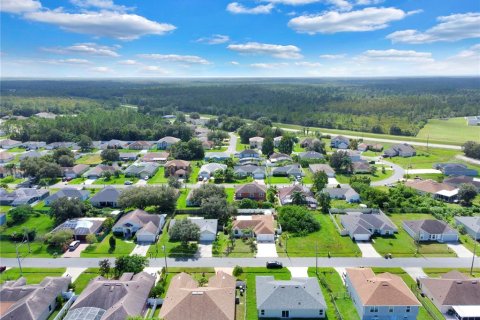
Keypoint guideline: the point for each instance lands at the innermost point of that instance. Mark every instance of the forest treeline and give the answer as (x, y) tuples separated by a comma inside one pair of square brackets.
[(393, 106)]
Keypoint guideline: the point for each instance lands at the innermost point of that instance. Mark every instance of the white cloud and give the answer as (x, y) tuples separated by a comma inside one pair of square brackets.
[(238, 8), (154, 69), (235, 63), (397, 55), (19, 6), (308, 64), (103, 24), (274, 50), (128, 62), (268, 65), (75, 61), (100, 4), (175, 58), (333, 56), (450, 28), (367, 19), (292, 2), (86, 48), (214, 39), (368, 2), (101, 69)]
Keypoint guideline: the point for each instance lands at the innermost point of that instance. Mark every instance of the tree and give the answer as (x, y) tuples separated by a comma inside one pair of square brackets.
[(104, 266), (246, 132), (107, 175), (91, 238), (229, 175), (268, 146), (58, 153), (297, 220), (298, 198), (110, 155), (206, 191), (184, 231), (66, 208), (466, 193), (272, 193), (134, 263), (324, 200), (173, 182), (112, 242), (59, 239), (472, 149), (163, 197), (317, 146), (191, 150), (320, 180), (340, 161), (20, 214), (85, 143), (353, 144), (286, 145), (66, 161), (248, 204), (217, 208), (194, 115), (107, 224), (237, 271)]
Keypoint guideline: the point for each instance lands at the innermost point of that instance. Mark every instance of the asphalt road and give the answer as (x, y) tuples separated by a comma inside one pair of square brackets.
[(398, 173)]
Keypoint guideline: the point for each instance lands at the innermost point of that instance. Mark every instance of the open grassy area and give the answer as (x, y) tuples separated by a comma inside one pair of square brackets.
[(159, 177), (402, 244), (240, 250), (11, 180), (333, 288), (102, 249), (240, 146), (426, 158), (437, 272), (42, 223), (33, 275), (173, 249), (453, 130), (345, 178), (84, 278), (76, 181), (230, 194), (116, 180), (328, 240), (277, 180), (90, 159)]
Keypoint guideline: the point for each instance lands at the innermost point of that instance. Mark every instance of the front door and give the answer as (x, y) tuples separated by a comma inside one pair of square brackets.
[(285, 314)]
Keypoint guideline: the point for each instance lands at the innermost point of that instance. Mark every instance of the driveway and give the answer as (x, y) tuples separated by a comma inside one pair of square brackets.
[(266, 250), (89, 182), (298, 272), (141, 182), (75, 253), (460, 250), (368, 251), (73, 272), (140, 249), (205, 249), (341, 271), (423, 171), (415, 273), (232, 145), (333, 181)]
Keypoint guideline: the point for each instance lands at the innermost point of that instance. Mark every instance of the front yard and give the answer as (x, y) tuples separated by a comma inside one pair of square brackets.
[(33, 275), (116, 180), (102, 249), (378, 176), (159, 177), (241, 248), (173, 249)]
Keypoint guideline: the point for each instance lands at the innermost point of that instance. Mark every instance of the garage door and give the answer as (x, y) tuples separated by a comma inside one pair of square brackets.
[(145, 238), (362, 237), (207, 236), (265, 237)]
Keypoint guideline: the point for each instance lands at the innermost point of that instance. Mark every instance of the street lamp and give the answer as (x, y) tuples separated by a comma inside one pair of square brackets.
[(18, 256), (165, 256)]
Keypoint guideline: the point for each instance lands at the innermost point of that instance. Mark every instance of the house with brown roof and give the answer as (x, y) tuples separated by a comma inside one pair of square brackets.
[(6, 157), (438, 190), (75, 171), (383, 296), (159, 157), (316, 167), (254, 191), (19, 300), (108, 299), (285, 195), (430, 230), (144, 225), (140, 145), (98, 171), (177, 168), (262, 227), (451, 291), (186, 300)]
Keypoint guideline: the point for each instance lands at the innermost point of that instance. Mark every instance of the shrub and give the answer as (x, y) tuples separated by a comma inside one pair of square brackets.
[(237, 271), (297, 219)]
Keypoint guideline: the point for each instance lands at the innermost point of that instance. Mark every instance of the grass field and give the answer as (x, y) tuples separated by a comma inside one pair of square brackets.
[(102, 249), (402, 244), (33, 275), (90, 159), (345, 178), (328, 239), (453, 130), (240, 250), (173, 249), (426, 158), (114, 180), (159, 177)]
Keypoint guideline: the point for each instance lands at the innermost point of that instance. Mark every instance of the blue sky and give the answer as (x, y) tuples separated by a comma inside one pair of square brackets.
[(213, 38)]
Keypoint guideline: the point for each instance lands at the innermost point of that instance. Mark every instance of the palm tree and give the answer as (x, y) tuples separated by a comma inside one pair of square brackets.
[(298, 198)]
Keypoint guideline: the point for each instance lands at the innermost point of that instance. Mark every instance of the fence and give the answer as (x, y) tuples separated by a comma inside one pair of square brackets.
[(65, 307)]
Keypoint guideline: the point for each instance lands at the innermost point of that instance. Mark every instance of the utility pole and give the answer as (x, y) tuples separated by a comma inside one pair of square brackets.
[(474, 253), (18, 256), (316, 258), (165, 256)]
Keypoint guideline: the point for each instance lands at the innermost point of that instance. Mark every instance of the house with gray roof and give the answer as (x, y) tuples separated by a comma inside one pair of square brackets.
[(340, 142), (107, 299), (248, 154), (295, 170), (99, 170), (207, 170), (34, 145), (310, 155), (256, 142), (362, 226), (308, 142), (75, 171), (127, 156), (257, 172), (400, 150), (145, 226), (107, 197), (473, 120), (22, 196), (455, 169), (62, 144), (457, 181), (216, 156), (82, 227), (430, 230), (142, 170), (471, 225), (208, 227), (276, 157), (70, 193), (345, 192), (20, 300), (296, 298), (9, 144), (167, 142), (32, 154)]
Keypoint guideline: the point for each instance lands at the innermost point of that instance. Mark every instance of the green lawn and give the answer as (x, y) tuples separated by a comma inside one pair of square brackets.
[(11, 180), (345, 178), (328, 239), (342, 204), (102, 249), (403, 245), (425, 159), (437, 272), (159, 177), (79, 180), (423, 314), (453, 130), (277, 180), (240, 250), (230, 194), (90, 159), (172, 249), (182, 199), (114, 180), (33, 275), (40, 222), (221, 149), (84, 278), (333, 288), (240, 146), (433, 176), (4, 209)]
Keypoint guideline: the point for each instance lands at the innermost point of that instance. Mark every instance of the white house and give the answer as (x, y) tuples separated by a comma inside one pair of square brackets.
[(207, 170), (208, 228), (256, 142)]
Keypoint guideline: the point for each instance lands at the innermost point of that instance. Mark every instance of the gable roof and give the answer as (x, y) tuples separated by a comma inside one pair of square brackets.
[(68, 193), (367, 222), (321, 167), (429, 186), (212, 167), (169, 140), (209, 225), (453, 289), (107, 194), (430, 226), (295, 294), (310, 155), (185, 300), (260, 224), (155, 156), (470, 222), (251, 188), (384, 289), (139, 217)]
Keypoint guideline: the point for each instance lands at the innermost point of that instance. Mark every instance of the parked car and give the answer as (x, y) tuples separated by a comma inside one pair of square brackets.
[(74, 245), (128, 183), (274, 265), (3, 268)]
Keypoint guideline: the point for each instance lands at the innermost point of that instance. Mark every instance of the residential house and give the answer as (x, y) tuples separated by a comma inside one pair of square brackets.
[(310, 155), (32, 154), (248, 154), (20, 300), (82, 227), (177, 168), (207, 170), (140, 145), (455, 169), (453, 293), (186, 300), (70, 193), (127, 156), (254, 191), (98, 171), (377, 147), (430, 230), (262, 227), (145, 226), (473, 120), (361, 167), (354, 155), (362, 147), (207, 144), (10, 144), (256, 142), (115, 144), (64, 144), (22, 196), (276, 141), (400, 150), (167, 142), (362, 226), (457, 181), (294, 170), (34, 145), (296, 298), (438, 190), (208, 227), (6, 157), (46, 115), (75, 171), (340, 142), (216, 156), (285, 195), (158, 157), (322, 167), (383, 296), (142, 170), (109, 299), (471, 225), (257, 172), (107, 197), (278, 157), (345, 192), (308, 142)]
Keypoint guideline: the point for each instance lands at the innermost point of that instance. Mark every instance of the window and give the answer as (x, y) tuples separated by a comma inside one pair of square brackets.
[(390, 309), (262, 312), (320, 312), (50, 308), (408, 309), (285, 314), (373, 309)]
